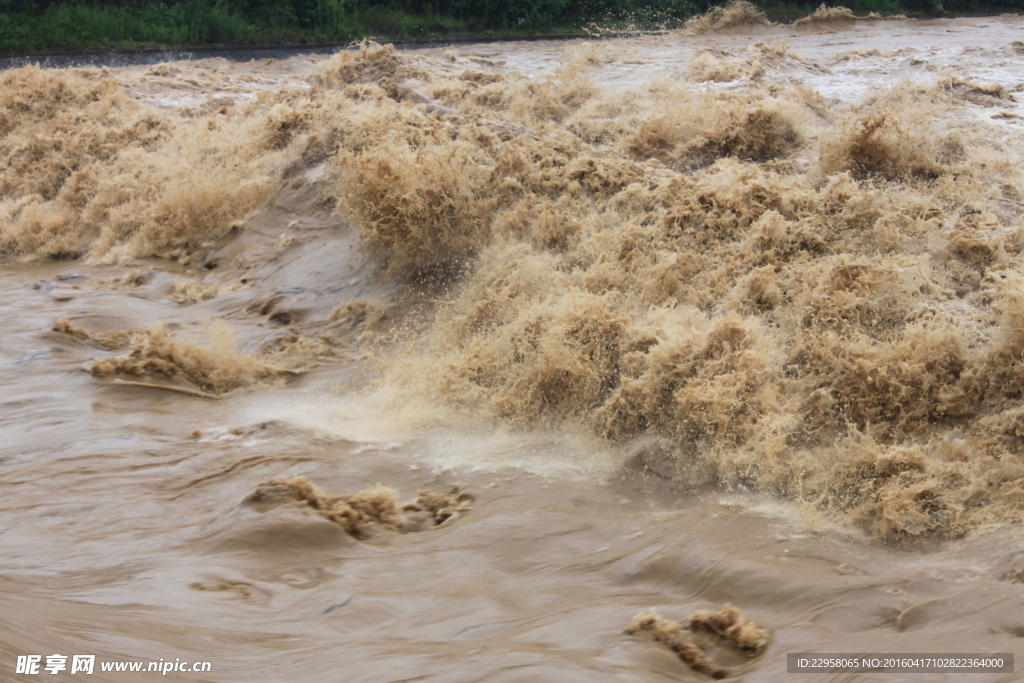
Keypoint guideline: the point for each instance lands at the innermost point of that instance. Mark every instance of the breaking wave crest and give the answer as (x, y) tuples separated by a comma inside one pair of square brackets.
[(815, 299)]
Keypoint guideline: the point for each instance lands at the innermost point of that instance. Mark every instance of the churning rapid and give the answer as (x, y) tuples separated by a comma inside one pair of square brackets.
[(732, 315)]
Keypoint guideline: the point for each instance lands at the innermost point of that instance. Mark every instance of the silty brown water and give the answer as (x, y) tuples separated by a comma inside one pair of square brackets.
[(726, 315)]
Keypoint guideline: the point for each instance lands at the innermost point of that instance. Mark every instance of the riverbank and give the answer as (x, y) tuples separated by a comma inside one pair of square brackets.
[(64, 27), (211, 25)]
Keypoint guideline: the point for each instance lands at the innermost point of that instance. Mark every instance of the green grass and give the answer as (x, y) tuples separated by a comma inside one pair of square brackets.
[(82, 27)]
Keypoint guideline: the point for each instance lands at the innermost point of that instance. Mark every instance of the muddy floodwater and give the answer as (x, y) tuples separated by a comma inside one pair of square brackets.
[(444, 364)]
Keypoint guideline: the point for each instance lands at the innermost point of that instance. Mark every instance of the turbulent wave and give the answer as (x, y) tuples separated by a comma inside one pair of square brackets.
[(735, 14), (804, 299), (838, 15), (809, 298)]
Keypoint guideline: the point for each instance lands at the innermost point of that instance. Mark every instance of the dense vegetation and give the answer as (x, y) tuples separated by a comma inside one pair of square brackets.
[(42, 25)]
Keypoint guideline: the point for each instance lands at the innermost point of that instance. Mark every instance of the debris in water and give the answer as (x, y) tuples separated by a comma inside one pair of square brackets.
[(118, 339), (192, 292), (441, 508), (357, 513), (730, 627), (679, 640), (214, 371)]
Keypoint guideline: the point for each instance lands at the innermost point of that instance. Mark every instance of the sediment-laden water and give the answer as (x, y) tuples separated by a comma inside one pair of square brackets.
[(733, 314)]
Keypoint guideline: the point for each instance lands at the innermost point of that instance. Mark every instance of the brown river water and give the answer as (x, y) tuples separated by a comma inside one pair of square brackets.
[(728, 315)]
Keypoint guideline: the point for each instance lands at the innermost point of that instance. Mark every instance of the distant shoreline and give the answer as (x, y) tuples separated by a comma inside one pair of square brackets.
[(254, 39), (153, 55)]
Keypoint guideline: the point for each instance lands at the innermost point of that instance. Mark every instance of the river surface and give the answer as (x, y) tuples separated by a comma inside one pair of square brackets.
[(697, 318)]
